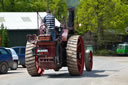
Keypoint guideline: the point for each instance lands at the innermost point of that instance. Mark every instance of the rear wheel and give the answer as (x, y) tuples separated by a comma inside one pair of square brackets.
[(32, 61), (3, 68), (23, 66), (75, 55), (88, 60), (14, 65)]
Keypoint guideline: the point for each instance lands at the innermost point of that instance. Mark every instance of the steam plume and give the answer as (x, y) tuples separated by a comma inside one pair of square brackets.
[(72, 3)]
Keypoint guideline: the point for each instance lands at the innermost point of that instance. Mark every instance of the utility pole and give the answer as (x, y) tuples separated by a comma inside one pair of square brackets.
[(47, 5)]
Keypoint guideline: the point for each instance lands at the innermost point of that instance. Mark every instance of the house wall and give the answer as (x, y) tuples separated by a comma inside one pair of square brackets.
[(18, 37)]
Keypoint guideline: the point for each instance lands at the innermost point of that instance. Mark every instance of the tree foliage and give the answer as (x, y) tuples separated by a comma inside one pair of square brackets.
[(4, 36), (57, 7), (103, 14), (99, 16)]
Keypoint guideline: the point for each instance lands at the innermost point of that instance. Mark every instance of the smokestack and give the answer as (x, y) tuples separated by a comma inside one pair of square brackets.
[(71, 17), (72, 3)]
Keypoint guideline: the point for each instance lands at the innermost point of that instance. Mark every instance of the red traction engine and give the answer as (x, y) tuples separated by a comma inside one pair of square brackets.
[(42, 53)]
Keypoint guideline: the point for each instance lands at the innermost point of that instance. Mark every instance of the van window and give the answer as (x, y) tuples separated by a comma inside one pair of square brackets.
[(22, 50), (16, 50), (120, 46), (9, 51)]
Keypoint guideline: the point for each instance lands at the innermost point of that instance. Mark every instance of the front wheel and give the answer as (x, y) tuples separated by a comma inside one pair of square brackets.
[(23, 66), (3, 68), (14, 65), (88, 60)]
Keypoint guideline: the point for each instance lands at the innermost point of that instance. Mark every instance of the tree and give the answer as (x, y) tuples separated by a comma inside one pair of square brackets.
[(59, 9), (2, 5), (100, 15), (4, 36)]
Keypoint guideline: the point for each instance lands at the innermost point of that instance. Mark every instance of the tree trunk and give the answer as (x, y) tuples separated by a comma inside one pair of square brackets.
[(12, 5), (100, 34), (2, 4)]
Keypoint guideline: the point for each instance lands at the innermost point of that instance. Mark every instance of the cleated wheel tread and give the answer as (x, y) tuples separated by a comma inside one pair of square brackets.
[(72, 58), (30, 60)]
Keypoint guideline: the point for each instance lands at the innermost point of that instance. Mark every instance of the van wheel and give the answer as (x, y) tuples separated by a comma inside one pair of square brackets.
[(14, 65), (23, 66), (3, 68)]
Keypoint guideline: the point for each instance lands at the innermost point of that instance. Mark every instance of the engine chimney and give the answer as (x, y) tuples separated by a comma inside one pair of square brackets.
[(71, 18)]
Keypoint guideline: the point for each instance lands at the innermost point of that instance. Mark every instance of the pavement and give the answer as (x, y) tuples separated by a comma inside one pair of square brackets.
[(106, 71)]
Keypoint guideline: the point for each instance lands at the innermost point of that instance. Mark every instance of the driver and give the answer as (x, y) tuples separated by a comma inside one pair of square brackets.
[(49, 20)]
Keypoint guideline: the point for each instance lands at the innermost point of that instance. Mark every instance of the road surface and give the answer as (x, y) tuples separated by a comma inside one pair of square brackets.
[(106, 71)]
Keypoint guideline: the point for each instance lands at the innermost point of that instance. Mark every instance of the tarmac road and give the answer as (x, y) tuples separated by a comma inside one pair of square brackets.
[(106, 71)]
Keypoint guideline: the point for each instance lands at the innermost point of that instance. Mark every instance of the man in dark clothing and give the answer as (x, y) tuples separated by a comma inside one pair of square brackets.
[(49, 20)]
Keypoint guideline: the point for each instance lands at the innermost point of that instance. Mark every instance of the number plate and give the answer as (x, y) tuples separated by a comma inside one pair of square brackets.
[(42, 50)]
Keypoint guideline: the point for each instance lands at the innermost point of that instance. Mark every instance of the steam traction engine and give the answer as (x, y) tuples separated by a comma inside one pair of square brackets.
[(42, 53)]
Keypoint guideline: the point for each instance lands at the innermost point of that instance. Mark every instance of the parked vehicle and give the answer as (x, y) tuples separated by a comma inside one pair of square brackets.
[(122, 49), (14, 57), (20, 50), (5, 60)]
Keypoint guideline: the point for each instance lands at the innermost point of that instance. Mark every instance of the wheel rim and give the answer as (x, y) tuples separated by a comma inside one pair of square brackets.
[(39, 70), (80, 55), (4, 68), (14, 65), (90, 60)]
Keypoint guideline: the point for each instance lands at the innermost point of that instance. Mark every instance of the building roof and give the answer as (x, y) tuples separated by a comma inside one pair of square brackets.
[(22, 20)]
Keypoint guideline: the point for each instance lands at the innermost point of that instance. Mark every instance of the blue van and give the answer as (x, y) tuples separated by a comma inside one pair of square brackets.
[(20, 50), (6, 61)]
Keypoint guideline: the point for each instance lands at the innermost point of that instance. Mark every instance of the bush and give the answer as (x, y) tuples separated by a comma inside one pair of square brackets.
[(104, 52), (4, 36)]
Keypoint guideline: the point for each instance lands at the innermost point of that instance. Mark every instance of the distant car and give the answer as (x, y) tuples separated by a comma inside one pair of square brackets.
[(14, 57), (5, 60), (122, 49), (20, 50)]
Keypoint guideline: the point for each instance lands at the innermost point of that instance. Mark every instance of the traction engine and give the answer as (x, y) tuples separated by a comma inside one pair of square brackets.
[(42, 53)]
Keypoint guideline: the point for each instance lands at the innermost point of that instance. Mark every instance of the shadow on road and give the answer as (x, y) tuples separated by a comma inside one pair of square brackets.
[(94, 73), (14, 72)]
